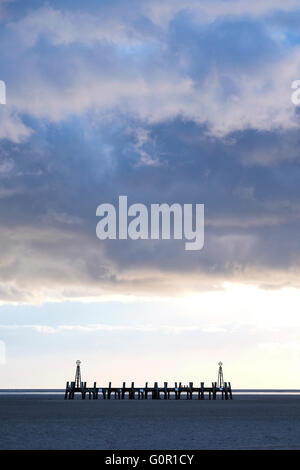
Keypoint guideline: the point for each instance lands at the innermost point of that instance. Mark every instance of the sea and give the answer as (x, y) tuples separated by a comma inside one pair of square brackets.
[(254, 419)]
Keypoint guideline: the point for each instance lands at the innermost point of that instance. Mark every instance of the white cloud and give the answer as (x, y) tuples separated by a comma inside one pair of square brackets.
[(208, 11), (93, 328), (214, 329), (146, 158), (68, 27), (291, 345), (60, 217), (12, 127), (261, 98), (38, 328), (261, 102)]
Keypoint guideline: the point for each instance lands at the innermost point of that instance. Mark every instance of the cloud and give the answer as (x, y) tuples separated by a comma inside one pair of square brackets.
[(207, 11), (173, 102), (61, 218), (12, 127), (143, 141), (293, 345), (59, 177), (68, 27), (94, 328), (241, 86), (3, 5)]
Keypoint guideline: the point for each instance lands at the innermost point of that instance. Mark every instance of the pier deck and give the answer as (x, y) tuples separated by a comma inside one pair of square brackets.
[(177, 392)]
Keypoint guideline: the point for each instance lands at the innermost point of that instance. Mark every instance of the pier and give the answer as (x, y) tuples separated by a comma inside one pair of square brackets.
[(155, 392)]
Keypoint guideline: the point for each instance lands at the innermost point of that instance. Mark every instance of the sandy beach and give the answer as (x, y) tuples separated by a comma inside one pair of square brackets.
[(248, 422)]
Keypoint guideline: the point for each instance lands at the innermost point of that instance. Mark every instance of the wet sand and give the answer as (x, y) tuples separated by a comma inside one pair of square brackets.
[(248, 422)]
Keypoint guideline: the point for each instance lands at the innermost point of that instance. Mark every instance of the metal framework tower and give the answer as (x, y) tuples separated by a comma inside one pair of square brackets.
[(220, 376), (78, 375)]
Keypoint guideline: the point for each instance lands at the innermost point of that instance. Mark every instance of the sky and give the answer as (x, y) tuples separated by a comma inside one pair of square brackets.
[(166, 102)]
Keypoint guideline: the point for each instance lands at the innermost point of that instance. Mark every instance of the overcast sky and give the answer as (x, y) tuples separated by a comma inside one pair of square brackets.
[(177, 101)]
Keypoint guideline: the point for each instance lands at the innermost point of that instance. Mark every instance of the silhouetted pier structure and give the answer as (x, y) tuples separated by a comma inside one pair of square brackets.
[(189, 392)]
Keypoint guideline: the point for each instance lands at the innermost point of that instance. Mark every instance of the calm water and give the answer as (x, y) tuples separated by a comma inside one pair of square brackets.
[(31, 419)]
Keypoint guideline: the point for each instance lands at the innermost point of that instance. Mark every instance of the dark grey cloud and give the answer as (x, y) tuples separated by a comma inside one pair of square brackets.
[(48, 233), (161, 111)]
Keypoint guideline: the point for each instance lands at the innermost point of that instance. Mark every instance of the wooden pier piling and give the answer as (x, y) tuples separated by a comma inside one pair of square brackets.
[(156, 392)]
